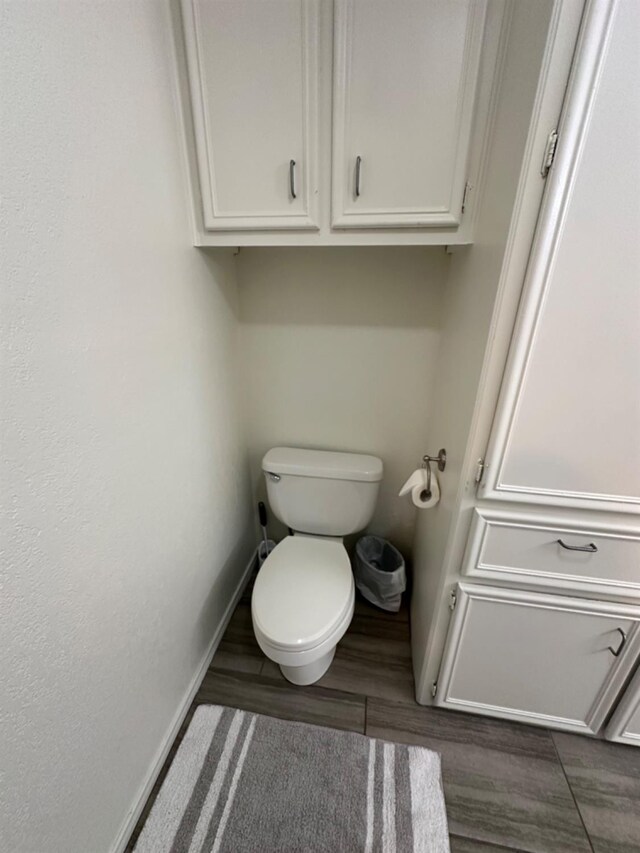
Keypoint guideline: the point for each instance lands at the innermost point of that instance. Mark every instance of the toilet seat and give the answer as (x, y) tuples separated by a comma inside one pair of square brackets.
[(303, 596)]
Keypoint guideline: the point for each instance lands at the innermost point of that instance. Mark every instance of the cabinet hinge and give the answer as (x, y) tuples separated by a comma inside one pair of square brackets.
[(549, 153), (434, 688), (467, 189), (480, 466), (453, 600)]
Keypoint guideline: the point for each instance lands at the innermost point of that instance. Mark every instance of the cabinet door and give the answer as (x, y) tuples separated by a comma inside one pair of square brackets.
[(253, 74), (567, 430), (543, 659), (624, 725), (404, 89)]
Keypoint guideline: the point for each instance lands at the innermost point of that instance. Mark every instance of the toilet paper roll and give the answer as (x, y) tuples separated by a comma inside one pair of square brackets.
[(417, 486)]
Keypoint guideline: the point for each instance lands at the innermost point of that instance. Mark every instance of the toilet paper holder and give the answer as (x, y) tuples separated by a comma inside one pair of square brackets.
[(441, 459), (423, 483)]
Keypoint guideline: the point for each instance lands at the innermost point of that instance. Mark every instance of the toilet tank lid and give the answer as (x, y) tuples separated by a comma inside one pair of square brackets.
[(330, 464)]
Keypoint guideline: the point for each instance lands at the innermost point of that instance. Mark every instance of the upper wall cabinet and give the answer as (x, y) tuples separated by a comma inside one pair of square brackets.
[(253, 74), (354, 122), (404, 88)]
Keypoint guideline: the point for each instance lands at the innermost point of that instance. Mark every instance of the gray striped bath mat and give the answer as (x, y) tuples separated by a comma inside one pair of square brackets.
[(242, 782)]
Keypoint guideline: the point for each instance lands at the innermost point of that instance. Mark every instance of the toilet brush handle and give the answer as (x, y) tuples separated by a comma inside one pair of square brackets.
[(262, 514)]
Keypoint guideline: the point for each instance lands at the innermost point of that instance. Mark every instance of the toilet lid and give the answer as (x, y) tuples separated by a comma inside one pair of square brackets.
[(302, 591)]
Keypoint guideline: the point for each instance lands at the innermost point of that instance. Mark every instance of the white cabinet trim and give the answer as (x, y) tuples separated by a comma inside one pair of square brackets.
[(484, 519), (620, 667), (447, 217), (215, 218), (627, 708), (573, 132)]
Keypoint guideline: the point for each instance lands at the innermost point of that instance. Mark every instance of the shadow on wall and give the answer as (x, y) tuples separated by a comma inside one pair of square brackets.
[(338, 348), (217, 262), (224, 584), (374, 286)]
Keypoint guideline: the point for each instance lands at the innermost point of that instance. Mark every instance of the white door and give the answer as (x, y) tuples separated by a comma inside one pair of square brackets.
[(544, 659), (253, 74), (624, 725), (567, 429), (404, 88)]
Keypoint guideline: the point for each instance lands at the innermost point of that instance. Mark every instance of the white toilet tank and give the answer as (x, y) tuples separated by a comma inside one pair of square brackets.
[(322, 492)]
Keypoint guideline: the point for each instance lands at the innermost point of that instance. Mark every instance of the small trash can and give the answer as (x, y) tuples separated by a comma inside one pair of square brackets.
[(380, 572)]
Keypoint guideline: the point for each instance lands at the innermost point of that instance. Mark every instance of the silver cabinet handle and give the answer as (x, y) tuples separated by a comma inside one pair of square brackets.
[(590, 548), (358, 163), (616, 652), (292, 178)]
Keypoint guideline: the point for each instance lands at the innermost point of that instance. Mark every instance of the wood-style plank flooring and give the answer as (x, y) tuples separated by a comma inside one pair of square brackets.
[(507, 786)]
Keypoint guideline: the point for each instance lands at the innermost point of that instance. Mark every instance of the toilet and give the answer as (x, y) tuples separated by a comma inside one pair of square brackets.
[(304, 594)]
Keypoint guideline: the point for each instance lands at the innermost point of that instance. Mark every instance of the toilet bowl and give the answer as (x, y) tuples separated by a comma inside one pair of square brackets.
[(303, 598), (302, 604)]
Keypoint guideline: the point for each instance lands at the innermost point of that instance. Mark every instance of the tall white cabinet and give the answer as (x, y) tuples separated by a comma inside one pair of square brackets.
[(545, 601), (567, 429)]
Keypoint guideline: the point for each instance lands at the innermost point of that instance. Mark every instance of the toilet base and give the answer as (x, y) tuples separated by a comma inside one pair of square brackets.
[(310, 672)]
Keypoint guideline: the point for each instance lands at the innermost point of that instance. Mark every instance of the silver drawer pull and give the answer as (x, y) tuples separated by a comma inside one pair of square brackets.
[(590, 548), (292, 178), (616, 652), (358, 164)]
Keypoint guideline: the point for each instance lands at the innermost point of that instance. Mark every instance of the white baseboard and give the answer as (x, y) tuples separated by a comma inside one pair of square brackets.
[(158, 762)]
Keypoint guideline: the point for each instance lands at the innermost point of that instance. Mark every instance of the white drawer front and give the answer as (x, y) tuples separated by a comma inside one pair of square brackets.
[(517, 548)]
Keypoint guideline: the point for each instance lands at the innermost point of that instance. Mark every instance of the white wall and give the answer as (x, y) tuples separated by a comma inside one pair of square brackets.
[(339, 348), (124, 484)]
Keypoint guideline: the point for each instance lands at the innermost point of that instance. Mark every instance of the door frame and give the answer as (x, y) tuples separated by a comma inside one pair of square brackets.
[(626, 708)]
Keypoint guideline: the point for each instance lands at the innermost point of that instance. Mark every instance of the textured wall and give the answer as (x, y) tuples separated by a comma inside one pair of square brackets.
[(339, 347), (124, 482)]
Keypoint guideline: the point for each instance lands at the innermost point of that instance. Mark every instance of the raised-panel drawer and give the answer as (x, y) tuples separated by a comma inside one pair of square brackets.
[(521, 548)]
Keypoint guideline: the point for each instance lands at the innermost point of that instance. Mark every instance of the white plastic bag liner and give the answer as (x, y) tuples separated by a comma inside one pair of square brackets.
[(380, 572)]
